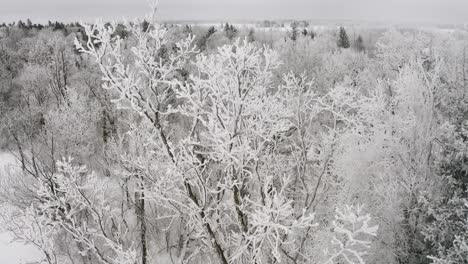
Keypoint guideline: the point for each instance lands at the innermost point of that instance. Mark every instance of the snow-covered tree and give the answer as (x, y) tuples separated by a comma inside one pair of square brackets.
[(227, 178), (352, 230), (343, 40)]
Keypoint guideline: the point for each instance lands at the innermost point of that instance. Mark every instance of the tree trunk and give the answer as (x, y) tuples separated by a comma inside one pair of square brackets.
[(140, 211)]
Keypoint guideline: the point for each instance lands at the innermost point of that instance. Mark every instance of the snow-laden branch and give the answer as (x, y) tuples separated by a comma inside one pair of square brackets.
[(352, 235)]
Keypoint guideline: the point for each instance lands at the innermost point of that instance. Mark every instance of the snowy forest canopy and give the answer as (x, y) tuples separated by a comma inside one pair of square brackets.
[(146, 142)]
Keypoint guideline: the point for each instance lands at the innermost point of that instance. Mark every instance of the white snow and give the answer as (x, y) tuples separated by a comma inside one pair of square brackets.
[(15, 252)]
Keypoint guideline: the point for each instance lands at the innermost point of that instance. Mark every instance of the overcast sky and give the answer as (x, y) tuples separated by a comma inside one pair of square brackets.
[(436, 11)]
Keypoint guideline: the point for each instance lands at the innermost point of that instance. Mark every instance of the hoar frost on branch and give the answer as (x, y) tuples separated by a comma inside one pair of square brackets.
[(77, 202), (223, 155), (229, 176), (352, 230)]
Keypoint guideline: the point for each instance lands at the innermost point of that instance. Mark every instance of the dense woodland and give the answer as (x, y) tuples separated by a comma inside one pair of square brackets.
[(144, 142)]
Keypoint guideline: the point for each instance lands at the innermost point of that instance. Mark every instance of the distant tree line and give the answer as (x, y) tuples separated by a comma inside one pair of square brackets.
[(28, 25)]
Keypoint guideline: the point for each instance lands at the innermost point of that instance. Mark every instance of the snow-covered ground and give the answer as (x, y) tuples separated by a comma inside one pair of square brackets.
[(15, 252)]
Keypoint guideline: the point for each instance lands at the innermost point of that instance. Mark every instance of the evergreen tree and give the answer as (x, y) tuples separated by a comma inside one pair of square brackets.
[(446, 226), (38, 26), (202, 42), (343, 40), (359, 44), (58, 26), (294, 31), (251, 35), (29, 24), (145, 25), (21, 24), (230, 31), (121, 31), (211, 31)]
